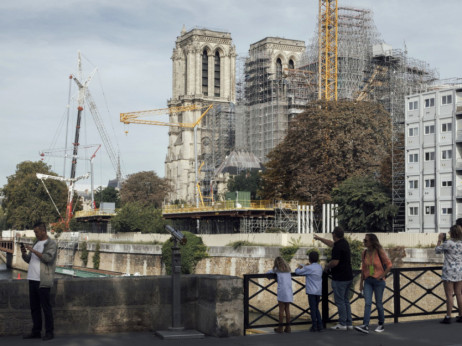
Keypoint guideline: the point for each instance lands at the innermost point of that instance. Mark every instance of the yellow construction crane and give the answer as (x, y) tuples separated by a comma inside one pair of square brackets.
[(327, 50), (135, 118)]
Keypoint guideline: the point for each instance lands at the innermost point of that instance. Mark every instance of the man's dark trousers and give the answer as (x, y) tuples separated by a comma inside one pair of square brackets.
[(40, 300)]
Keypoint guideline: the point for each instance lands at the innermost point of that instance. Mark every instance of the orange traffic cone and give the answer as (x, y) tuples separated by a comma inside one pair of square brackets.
[(19, 276)]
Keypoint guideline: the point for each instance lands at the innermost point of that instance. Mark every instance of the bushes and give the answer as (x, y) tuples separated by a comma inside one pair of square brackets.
[(84, 254), (96, 257), (191, 253)]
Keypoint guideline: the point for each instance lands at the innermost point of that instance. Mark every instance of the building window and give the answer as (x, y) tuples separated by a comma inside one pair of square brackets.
[(446, 127), (278, 68), (429, 129), (446, 154), (430, 102), (430, 156), (413, 131), (446, 183), (413, 158), (446, 211), (413, 105), (413, 184), (217, 74), (446, 99), (429, 183), (205, 73), (291, 64), (413, 210), (430, 210)]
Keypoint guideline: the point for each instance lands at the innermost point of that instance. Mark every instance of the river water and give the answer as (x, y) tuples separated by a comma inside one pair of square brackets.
[(6, 273)]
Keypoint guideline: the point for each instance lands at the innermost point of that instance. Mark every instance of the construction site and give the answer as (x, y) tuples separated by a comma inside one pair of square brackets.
[(256, 96)]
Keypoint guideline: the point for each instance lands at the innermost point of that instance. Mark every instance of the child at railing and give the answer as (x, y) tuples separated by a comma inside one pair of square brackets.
[(284, 292), (313, 273)]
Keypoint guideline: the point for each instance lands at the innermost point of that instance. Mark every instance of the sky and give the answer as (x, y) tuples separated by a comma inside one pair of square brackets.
[(131, 43)]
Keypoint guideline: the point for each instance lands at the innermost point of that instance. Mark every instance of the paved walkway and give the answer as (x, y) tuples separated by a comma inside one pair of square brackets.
[(429, 333)]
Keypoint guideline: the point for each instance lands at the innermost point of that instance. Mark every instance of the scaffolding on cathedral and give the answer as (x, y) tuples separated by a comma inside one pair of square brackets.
[(368, 69)]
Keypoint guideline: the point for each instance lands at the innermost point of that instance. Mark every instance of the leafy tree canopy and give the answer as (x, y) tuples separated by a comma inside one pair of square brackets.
[(26, 200), (136, 217), (325, 145), (246, 181), (107, 194), (145, 188), (364, 205)]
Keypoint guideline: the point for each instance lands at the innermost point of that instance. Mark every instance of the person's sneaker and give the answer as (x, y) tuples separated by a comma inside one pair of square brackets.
[(48, 337), (459, 319), (446, 320), (287, 329), (362, 328), (279, 330), (350, 327), (380, 328), (339, 327)]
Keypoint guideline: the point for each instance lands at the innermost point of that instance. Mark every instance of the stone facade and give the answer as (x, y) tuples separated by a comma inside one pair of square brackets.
[(204, 65)]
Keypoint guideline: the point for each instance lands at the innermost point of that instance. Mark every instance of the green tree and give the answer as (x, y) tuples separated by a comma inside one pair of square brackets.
[(364, 205), (26, 199), (2, 219), (249, 180), (96, 256), (325, 145), (108, 194), (136, 217), (145, 188), (84, 254), (191, 253)]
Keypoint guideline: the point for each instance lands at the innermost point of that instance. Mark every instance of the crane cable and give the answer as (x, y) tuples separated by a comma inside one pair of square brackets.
[(51, 198)]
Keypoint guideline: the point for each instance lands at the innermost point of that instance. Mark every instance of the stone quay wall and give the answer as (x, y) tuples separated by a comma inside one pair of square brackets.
[(211, 304)]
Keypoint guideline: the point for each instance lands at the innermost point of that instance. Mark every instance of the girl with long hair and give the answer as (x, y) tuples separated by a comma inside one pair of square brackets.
[(374, 269), (284, 292)]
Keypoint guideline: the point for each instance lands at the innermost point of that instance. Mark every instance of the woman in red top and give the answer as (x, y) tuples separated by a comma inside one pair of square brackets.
[(373, 277)]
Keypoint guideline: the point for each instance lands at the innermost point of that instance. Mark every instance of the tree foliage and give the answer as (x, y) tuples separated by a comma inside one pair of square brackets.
[(364, 205), (246, 181), (108, 194), (325, 145), (136, 217), (146, 188), (191, 253), (26, 200)]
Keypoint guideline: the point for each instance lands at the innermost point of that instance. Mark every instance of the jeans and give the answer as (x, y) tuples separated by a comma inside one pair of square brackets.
[(377, 286), (40, 300), (313, 301), (341, 292)]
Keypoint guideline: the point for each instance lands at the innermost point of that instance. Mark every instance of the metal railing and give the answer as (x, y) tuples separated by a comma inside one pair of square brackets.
[(410, 292)]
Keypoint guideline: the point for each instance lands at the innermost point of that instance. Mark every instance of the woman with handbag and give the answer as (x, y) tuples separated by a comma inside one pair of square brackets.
[(374, 269)]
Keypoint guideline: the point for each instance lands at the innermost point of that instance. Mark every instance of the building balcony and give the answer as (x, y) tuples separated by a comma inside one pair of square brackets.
[(458, 164)]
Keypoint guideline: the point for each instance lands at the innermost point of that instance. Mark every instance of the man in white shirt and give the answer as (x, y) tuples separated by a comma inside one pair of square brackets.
[(42, 264)]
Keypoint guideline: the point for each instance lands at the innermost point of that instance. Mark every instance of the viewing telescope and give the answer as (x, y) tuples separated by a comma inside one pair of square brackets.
[(177, 234)]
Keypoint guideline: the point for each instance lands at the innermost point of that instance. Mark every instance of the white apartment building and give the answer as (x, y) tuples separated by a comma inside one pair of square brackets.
[(433, 144)]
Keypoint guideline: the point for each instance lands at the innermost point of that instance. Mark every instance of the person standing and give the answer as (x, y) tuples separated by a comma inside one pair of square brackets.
[(373, 277), (284, 292), (342, 276), (313, 284), (452, 269), (42, 263)]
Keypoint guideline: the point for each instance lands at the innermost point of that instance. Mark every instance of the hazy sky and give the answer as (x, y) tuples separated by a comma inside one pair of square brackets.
[(131, 42)]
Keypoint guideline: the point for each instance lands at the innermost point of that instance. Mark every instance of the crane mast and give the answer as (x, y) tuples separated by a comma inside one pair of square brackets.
[(328, 50)]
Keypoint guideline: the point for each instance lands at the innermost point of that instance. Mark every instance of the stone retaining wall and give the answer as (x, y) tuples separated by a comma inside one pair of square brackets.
[(211, 304)]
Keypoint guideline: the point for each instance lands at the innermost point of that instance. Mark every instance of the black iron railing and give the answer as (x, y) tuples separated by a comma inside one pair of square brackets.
[(409, 292)]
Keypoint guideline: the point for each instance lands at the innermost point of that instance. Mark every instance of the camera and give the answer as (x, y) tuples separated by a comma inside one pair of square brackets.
[(176, 234)]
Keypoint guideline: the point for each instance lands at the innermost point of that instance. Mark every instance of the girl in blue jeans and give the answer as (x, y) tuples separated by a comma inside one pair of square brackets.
[(374, 269)]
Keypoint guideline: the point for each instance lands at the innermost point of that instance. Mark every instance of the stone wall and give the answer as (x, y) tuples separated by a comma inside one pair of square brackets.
[(211, 304)]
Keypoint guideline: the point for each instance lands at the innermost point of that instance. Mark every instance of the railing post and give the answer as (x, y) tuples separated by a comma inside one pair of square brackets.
[(246, 303), (325, 299), (396, 295)]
